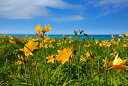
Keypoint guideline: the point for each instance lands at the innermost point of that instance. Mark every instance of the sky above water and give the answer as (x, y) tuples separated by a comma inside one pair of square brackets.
[(64, 16)]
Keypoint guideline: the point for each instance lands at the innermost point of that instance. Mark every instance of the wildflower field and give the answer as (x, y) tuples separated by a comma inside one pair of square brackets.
[(44, 61)]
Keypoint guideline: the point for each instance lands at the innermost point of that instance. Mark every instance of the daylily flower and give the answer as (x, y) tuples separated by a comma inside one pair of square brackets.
[(29, 47), (42, 31), (124, 45), (85, 58), (64, 55), (89, 45), (51, 59), (97, 41), (70, 37), (113, 54), (21, 60), (47, 28), (119, 39), (118, 63), (3, 41), (38, 28), (14, 40)]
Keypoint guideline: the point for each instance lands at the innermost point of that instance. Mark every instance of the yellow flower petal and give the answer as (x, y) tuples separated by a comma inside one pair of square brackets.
[(38, 28)]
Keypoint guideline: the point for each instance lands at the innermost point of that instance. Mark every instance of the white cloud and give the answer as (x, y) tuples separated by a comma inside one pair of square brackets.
[(68, 18), (113, 3), (27, 9), (105, 13), (104, 2), (110, 6)]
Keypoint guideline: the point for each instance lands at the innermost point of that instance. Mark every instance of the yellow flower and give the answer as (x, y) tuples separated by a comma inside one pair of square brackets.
[(100, 44), (113, 54), (2, 41), (97, 41), (51, 46), (70, 37), (19, 62), (124, 45), (21, 58), (113, 38), (64, 55), (32, 45), (16, 49), (113, 41), (38, 28), (70, 41), (27, 51), (59, 43), (121, 35), (88, 54), (46, 46), (29, 47), (52, 40), (119, 39), (46, 39), (12, 40), (84, 58), (47, 28), (105, 44), (89, 45), (118, 63), (107, 63), (51, 59)]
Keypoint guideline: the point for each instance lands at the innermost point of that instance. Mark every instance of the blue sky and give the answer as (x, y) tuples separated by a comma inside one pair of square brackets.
[(64, 16)]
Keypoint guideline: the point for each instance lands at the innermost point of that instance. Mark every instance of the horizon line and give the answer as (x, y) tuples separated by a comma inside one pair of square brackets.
[(57, 34)]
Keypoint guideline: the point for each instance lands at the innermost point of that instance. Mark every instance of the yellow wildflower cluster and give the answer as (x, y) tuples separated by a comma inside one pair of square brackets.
[(114, 42), (47, 39), (14, 40), (64, 55), (105, 44), (47, 43)]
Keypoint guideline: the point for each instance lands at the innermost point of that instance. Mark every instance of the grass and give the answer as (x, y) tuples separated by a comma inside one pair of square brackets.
[(36, 71)]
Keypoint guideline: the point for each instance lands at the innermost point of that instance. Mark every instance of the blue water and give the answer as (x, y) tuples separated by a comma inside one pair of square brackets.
[(100, 37)]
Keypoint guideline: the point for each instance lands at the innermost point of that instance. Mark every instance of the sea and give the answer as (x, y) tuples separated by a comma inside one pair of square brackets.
[(100, 37)]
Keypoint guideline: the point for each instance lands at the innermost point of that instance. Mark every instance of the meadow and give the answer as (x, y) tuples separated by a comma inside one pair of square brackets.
[(44, 61)]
